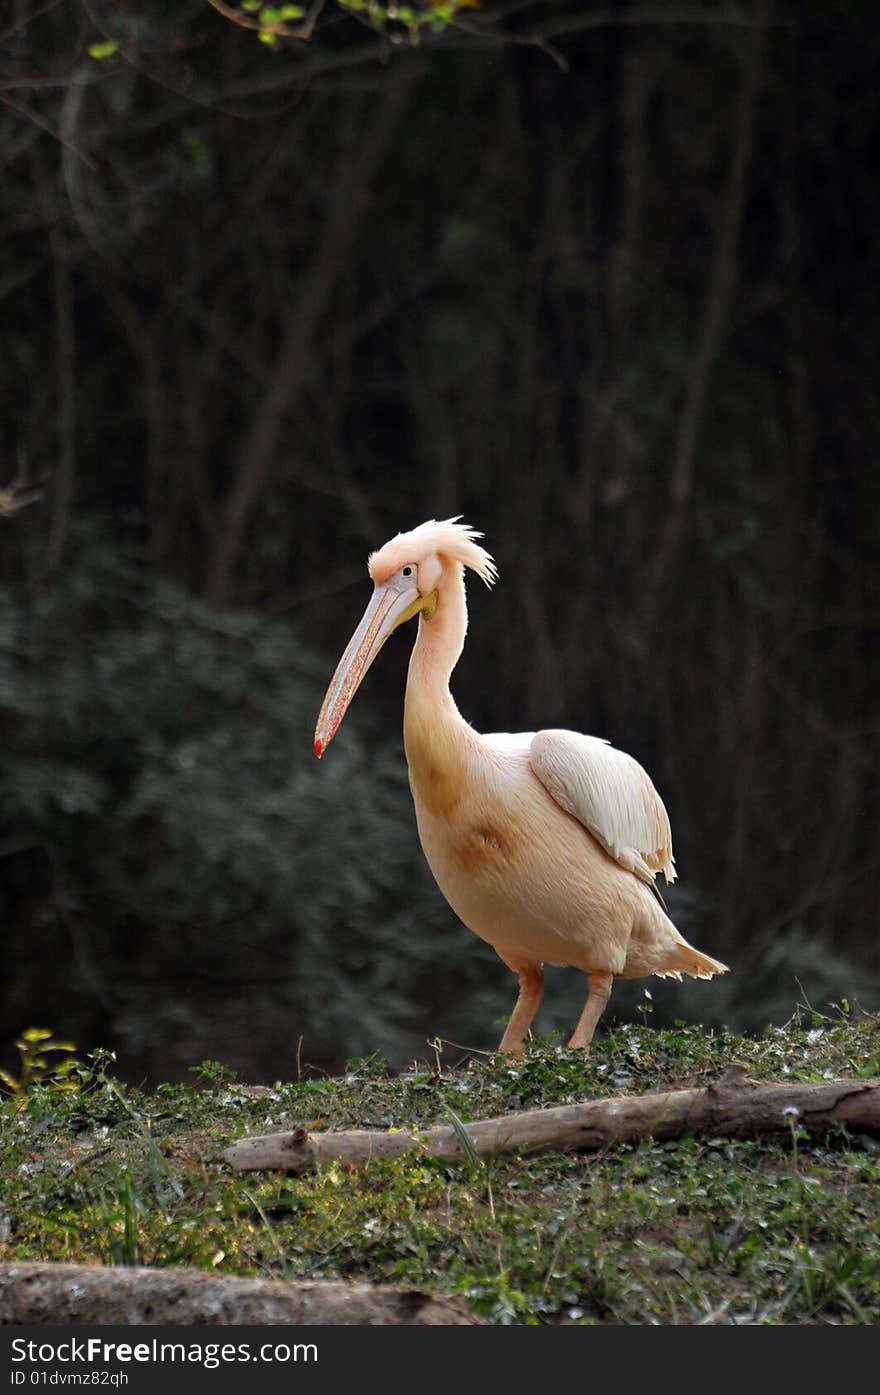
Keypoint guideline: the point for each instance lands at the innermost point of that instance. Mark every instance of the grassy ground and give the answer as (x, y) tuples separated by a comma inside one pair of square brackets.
[(702, 1230)]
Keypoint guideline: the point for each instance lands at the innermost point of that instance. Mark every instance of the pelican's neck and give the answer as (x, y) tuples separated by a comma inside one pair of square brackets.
[(433, 728), (440, 639)]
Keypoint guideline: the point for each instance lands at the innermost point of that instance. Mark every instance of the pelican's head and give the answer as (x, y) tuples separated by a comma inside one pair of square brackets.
[(407, 574)]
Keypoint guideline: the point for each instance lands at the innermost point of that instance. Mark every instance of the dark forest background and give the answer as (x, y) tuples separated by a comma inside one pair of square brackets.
[(600, 278)]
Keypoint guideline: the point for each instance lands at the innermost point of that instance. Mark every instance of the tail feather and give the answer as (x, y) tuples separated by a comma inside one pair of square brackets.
[(690, 961), (656, 947)]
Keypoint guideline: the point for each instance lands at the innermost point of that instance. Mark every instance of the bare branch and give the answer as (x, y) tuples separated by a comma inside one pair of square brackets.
[(85, 1293), (734, 1106), (16, 496), (718, 295), (288, 375)]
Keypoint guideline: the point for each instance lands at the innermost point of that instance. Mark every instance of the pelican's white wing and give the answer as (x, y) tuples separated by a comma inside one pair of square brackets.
[(611, 795)]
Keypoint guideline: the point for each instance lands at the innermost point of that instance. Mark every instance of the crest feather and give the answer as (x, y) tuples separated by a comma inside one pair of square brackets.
[(448, 537)]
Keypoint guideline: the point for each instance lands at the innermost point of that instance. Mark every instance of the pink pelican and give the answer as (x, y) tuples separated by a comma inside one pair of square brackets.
[(545, 844)]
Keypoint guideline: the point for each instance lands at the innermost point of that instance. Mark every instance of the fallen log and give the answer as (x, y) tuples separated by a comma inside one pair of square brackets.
[(732, 1106), (86, 1293)]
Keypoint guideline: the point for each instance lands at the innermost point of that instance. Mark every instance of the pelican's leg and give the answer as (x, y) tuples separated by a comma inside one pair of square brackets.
[(600, 992), (531, 991)]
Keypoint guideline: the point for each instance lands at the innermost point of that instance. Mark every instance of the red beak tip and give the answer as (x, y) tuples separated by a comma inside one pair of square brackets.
[(319, 747)]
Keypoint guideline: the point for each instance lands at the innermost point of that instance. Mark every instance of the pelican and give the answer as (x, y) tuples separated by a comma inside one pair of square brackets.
[(545, 844)]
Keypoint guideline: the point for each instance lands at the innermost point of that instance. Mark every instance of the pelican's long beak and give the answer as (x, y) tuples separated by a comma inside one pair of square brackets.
[(391, 605)]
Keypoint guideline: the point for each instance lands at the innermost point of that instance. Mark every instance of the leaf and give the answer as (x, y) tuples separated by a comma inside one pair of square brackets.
[(472, 1157)]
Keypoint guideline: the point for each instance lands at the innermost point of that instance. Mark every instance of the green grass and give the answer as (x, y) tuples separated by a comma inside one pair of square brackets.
[(700, 1230)]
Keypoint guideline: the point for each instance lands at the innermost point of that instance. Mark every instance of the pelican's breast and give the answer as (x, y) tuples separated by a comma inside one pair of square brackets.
[(519, 871), (472, 808)]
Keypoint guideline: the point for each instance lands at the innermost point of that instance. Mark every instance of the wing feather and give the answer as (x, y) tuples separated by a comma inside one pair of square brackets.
[(611, 795)]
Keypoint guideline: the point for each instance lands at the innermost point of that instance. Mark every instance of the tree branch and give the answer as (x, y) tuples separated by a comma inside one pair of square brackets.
[(85, 1293), (290, 371), (734, 1106), (719, 291), (65, 379)]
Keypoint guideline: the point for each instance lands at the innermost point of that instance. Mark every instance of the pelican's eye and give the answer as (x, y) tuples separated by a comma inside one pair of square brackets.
[(407, 570)]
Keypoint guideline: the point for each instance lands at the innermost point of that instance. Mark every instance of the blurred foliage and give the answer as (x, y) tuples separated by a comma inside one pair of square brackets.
[(273, 23)]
